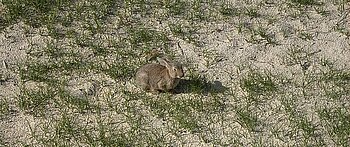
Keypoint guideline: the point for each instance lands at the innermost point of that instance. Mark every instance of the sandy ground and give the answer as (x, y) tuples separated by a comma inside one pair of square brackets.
[(222, 58)]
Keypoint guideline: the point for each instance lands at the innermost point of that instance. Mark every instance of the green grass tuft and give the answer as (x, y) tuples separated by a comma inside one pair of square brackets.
[(4, 107), (338, 122), (35, 13), (247, 119), (256, 84), (306, 2), (36, 102), (227, 11), (177, 7)]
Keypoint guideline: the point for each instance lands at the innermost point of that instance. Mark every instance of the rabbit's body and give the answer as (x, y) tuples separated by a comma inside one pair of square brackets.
[(164, 76)]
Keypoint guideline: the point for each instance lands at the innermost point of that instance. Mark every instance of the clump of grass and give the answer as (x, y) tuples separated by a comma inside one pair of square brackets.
[(186, 32), (4, 107), (269, 38), (299, 123), (37, 101), (299, 56), (308, 130), (256, 84), (50, 71), (322, 11), (198, 84), (141, 127), (337, 77), (252, 12), (66, 129), (35, 13), (58, 62), (261, 35), (247, 119), (182, 115), (336, 83), (337, 120), (306, 2), (186, 113), (36, 72), (82, 104), (342, 29), (200, 11), (100, 50), (176, 8), (305, 36), (180, 112), (227, 11), (106, 136), (63, 131), (121, 71), (148, 38)]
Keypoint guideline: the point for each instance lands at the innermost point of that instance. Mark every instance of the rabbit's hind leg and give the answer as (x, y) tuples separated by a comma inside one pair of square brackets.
[(143, 81)]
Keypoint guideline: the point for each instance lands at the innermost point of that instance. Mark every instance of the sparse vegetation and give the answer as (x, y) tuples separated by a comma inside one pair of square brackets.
[(251, 79), (4, 107)]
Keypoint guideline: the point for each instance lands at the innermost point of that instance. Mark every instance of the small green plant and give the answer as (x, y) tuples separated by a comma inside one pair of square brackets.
[(186, 32), (258, 84), (200, 12), (35, 13), (305, 2), (296, 55), (227, 11), (148, 38), (4, 107), (322, 11), (309, 129), (66, 130), (106, 136), (252, 12), (36, 102), (185, 120), (247, 119), (144, 35), (50, 71), (82, 104), (269, 38), (121, 71), (179, 110), (196, 84), (341, 27), (55, 32), (336, 83), (305, 36), (337, 120), (337, 77), (341, 5), (38, 72), (177, 7)]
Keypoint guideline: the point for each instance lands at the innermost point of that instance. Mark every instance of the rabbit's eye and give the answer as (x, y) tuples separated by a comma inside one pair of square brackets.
[(174, 69)]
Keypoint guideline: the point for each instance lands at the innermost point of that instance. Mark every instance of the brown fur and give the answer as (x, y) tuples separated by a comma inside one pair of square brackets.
[(164, 76)]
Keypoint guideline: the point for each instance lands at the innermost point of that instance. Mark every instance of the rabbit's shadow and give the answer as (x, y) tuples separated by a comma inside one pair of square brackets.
[(199, 86)]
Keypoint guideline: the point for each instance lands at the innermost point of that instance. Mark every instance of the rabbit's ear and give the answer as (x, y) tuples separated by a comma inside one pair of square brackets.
[(163, 61)]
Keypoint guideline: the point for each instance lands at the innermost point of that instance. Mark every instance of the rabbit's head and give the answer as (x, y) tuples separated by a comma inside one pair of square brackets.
[(175, 69)]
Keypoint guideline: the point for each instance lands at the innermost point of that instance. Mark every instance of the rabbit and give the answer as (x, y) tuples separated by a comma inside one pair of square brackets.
[(164, 76)]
